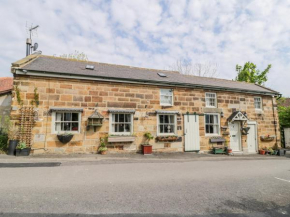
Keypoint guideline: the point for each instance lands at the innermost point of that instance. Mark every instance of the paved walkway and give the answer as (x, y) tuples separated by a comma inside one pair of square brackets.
[(127, 158)]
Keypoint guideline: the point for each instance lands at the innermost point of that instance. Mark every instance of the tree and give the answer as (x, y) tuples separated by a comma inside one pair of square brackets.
[(75, 56), (207, 69), (250, 74), (283, 112)]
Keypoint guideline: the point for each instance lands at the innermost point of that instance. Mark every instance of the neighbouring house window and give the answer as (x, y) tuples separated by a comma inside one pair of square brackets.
[(210, 100), (258, 102), (121, 124), (66, 122), (166, 124), (212, 124), (166, 97)]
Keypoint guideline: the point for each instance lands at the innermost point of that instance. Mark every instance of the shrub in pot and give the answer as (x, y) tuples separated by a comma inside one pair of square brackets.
[(65, 137), (22, 149), (147, 148), (13, 134), (103, 148)]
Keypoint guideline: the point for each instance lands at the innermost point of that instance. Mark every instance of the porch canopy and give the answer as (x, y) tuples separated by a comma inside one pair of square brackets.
[(238, 116)]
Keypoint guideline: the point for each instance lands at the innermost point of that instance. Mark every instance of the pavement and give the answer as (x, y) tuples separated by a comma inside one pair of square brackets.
[(179, 184)]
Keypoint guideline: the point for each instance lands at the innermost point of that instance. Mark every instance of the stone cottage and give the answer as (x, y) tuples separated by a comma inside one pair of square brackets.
[(6, 86), (183, 113)]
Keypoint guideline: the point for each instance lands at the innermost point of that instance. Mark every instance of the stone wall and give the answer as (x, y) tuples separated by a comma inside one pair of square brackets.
[(91, 95)]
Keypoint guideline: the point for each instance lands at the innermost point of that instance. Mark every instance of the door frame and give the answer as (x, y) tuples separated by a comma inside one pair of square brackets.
[(240, 134), (256, 132)]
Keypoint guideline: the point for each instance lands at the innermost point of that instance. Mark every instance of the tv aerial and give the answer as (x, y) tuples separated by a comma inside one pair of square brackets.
[(29, 47)]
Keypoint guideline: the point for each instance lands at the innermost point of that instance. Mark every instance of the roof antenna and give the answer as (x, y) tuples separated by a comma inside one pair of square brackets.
[(29, 48)]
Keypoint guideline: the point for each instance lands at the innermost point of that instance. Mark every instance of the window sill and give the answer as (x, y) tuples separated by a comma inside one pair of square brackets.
[(117, 138)]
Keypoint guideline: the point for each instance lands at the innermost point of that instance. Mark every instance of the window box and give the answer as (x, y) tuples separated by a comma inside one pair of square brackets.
[(65, 138), (113, 139), (166, 138), (217, 139)]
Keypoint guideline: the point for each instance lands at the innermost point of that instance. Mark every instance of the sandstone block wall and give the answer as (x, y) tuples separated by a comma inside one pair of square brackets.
[(91, 95)]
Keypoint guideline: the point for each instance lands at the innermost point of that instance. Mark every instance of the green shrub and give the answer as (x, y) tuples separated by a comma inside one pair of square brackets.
[(3, 142)]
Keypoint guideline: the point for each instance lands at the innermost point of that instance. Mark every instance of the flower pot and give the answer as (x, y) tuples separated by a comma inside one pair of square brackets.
[(229, 150), (262, 152), (65, 138), (12, 146), (281, 152), (103, 152), (147, 149), (23, 152)]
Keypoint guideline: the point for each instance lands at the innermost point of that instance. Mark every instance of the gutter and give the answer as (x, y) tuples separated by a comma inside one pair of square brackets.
[(135, 81)]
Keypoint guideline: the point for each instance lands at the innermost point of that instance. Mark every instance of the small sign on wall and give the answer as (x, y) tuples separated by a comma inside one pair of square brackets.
[(39, 138)]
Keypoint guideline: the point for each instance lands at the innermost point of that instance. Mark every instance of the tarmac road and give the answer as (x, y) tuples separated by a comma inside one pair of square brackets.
[(165, 188)]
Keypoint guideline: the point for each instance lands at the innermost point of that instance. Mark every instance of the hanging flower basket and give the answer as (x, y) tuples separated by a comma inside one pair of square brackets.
[(267, 138), (65, 138)]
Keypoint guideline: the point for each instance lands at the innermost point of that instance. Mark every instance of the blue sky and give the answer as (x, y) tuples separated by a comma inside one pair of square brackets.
[(155, 34)]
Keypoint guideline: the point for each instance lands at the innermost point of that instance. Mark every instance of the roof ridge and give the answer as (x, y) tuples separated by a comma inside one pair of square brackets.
[(111, 64)]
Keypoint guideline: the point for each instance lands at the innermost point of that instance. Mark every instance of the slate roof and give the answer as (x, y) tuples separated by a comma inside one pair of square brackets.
[(6, 84), (110, 71)]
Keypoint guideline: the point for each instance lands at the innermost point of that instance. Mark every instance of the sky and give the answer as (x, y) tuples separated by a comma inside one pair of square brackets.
[(155, 34)]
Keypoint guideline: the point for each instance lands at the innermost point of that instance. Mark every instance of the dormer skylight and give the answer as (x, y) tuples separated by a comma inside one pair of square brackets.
[(162, 74), (90, 67)]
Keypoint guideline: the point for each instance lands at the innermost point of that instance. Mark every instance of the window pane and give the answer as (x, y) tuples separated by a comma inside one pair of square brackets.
[(166, 100), (215, 119), (58, 117), (115, 118), (167, 92), (161, 119), (207, 119), (121, 118), (67, 117), (161, 129), (127, 128), (66, 126), (166, 119), (116, 127), (128, 118), (211, 119), (58, 127), (75, 116), (215, 129), (171, 119), (121, 127), (75, 126)]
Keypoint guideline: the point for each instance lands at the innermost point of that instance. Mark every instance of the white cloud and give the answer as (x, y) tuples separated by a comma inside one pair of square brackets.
[(151, 33)]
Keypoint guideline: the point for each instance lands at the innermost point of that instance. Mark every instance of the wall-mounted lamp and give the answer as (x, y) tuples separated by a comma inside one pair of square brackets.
[(222, 114)]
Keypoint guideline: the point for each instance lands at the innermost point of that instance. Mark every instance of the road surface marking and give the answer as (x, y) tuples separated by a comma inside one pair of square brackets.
[(282, 179)]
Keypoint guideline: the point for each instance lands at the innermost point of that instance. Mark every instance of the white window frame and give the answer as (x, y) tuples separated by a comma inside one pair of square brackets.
[(166, 104), (120, 133), (215, 100), (261, 103), (167, 134), (219, 125), (53, 121)]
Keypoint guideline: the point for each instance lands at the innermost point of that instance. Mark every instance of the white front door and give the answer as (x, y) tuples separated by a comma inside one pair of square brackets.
[(287, 137), (252, 137), (191, 131), (235, 136)]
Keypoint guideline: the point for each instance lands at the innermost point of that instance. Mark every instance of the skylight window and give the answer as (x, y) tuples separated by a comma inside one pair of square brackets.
[(91, 67), (161, 74)]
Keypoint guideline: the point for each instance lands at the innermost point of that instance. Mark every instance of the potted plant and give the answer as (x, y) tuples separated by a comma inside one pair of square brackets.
[(65, 137), (262, 151), (22, 149), (147, 148), (13, 134), (103, 148)]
